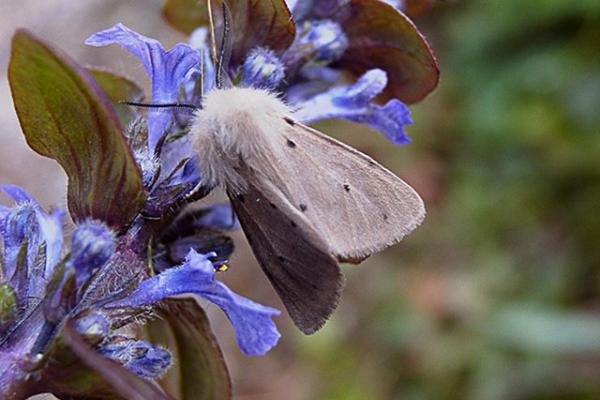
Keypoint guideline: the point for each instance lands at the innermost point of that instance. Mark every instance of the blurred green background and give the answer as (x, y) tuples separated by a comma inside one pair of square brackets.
[(497, 295)]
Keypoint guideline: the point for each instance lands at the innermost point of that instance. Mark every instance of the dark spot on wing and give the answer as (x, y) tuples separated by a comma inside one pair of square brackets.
[(294, 225), (303, 207), (241, 198), (290, 121), (372, 163), (273, 206), (291, 143), (281, 259), (347, 187), (385, 217)]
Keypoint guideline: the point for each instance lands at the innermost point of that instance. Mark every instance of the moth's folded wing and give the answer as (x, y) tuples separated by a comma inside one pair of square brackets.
[(292, 254), (358, 205)]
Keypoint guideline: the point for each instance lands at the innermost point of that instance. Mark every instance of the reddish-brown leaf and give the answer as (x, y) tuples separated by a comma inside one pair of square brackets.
[(66, 116), (265, 23), (382, 37)]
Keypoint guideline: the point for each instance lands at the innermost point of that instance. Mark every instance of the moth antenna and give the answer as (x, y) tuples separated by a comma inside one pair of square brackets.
[(160, 105), (202, 74), (213, 36), (224, 48)]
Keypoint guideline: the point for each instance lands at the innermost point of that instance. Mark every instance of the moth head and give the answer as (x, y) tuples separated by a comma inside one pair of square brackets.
[(236, 127)]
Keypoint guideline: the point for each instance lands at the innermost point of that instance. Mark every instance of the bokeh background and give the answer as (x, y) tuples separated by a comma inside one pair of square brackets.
[(497, 295)]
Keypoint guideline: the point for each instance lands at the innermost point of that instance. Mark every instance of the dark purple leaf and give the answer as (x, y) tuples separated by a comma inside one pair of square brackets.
[(125, 382), (382, 37), (266, 23), (200, 372), (66, 116)]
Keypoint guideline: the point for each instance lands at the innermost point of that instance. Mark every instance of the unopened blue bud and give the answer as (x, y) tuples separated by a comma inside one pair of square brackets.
[(143, 358), (148, 164), (20, 223), (93, 327), (93, 243), (326, 38), (262, 69)]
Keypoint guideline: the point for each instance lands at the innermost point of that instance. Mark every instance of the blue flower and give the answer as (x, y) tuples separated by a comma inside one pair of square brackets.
[(321, 41), (168, 167), (143, 358), (92, 244), (255, 330), (27, 220), (354, 102), (313, 74), (40, 289), (167, 70), (262, 69)]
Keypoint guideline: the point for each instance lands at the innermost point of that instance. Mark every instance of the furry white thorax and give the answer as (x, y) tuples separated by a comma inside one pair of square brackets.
[(233, 127)]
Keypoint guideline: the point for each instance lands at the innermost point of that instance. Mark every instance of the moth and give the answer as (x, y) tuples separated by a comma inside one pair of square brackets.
[(305, 201)]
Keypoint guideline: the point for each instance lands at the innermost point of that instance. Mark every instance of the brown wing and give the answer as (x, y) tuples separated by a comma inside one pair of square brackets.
[(294, 257), (356, 205)]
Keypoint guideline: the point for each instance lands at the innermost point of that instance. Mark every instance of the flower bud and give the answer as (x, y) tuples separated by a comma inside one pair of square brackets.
[(149, 165), (94, 327), (143, 358), (93, 243), (262, 69), (20, 222), (325, 38)]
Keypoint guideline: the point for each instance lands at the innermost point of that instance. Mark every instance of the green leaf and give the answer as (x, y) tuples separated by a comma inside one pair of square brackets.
[(118, 89), (200, 372), (8, 303), (126, 383), (253, 23), (66, 116), (382, 37)]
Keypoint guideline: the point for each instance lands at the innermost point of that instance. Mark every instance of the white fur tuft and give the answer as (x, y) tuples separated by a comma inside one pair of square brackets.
[(232, 127)]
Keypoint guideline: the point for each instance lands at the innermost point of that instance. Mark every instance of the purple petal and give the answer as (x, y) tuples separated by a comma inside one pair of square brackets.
[(353, 102), (262, 69), (167, 70), (254, 328), (317, 41), (199, 40), (218, 216), (143, 358), (18, 194), (19, 224), (318, 79), (172, 154), (49, 228), (3, 212), (94, 326), (92, 244)]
